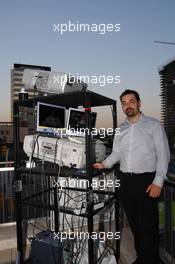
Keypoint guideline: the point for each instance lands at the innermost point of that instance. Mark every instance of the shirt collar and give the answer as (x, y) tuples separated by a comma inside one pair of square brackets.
[(141, 118)]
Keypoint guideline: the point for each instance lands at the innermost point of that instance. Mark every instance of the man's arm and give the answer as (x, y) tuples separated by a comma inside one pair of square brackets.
[(163, 158), (112, 158), (163, 155)]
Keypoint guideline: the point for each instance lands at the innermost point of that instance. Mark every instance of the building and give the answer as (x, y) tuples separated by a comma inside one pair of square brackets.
[(6, 140), (16, 80), (26, 114), (167, 83), (6, 132)]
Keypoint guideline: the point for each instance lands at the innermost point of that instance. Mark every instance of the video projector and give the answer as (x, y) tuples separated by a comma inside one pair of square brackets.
[(52, 82), (62, 151)]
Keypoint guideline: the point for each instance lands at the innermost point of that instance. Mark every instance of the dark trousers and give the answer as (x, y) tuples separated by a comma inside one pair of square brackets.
[(142, 213)]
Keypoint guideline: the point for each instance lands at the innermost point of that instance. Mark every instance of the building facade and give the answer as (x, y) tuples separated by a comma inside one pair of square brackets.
[(16, 80), (26, 114), (167, 83), (6, 132)]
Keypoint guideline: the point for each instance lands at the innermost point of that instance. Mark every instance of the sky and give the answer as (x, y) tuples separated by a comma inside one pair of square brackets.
[(27, 36)]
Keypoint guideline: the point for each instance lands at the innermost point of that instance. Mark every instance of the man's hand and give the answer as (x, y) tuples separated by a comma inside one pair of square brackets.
[(98, 166), (153, 190)]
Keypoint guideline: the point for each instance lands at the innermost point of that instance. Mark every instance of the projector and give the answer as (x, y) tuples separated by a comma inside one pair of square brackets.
[(62, 151), (51, 82)]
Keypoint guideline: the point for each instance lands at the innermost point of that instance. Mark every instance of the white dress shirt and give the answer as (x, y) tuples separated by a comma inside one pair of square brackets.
[(141, 147)]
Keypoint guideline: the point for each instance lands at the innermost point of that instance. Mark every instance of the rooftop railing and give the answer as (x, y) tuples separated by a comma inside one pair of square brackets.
[(7, 212), (167, 223)]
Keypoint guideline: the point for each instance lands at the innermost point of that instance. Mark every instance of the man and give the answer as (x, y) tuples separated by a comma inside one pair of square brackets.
[(143, 153)]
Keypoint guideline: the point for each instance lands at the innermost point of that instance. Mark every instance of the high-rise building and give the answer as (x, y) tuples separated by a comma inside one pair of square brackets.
[(167, 83), (6, 132), (26, 115)]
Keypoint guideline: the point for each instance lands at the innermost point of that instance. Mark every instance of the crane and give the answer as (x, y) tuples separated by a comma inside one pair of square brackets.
[(164, 42)]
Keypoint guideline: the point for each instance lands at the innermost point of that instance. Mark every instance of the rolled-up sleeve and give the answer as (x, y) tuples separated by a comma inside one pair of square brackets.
[(162, 153)]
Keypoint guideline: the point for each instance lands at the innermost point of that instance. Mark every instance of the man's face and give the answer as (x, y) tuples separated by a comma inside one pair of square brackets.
[(130, 105)]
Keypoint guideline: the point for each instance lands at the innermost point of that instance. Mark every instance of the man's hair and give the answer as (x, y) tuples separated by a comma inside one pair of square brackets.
[(130, 92)]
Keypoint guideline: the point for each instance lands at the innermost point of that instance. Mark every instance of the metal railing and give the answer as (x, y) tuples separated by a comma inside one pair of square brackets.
[(167, 223), (7, 212), (7, 194)]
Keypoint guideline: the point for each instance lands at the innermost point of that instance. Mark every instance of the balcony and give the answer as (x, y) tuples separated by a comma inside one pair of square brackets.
[(127, 252)]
